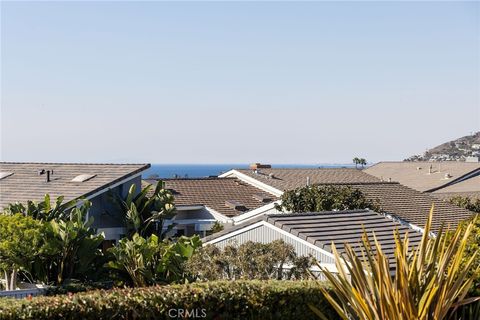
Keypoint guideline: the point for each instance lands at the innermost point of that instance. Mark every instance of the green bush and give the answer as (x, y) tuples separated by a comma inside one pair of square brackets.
[(220, 300)]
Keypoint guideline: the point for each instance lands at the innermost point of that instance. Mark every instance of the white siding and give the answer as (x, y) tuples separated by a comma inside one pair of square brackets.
[(265, 234)]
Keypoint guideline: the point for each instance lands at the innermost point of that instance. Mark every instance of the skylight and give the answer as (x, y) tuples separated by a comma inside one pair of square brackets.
[(3, 175), (83, 177)]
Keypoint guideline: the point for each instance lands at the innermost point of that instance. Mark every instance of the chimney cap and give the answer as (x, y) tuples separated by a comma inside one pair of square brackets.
[(258, 165)]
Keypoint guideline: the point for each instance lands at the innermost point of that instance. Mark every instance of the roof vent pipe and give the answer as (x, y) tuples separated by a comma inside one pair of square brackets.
[(430, 169)]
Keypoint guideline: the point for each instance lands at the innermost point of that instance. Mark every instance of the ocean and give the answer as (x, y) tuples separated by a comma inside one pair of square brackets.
[(206, 170)]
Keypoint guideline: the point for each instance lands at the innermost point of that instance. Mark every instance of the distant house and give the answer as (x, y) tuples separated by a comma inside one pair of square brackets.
[(98, 183), (313, 233), (438, 178), (409, 206), (200, 202)]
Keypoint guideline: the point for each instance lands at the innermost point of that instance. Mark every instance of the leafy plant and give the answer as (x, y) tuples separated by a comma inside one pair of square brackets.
[(70, 249), (430, 281), (251, 260), (20, 240), (43, 210), (150, 261), (325, 198), (146, 211)]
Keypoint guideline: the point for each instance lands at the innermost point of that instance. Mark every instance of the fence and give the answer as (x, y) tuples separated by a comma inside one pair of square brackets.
[(23, 293)]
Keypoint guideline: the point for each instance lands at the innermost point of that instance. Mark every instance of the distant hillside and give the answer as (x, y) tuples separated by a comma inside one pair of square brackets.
[(456, 150)]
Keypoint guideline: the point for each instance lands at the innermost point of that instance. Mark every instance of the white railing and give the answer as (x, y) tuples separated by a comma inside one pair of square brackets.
[(23, 293)]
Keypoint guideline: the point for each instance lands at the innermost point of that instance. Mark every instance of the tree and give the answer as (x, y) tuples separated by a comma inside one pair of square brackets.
[(20, 241), (325, 198), (145, 213), (363, 162), (251, 260), (356, 161), (429, 281)]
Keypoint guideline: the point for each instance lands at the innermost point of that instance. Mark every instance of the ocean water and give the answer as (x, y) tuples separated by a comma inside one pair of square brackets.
[(206, 170)]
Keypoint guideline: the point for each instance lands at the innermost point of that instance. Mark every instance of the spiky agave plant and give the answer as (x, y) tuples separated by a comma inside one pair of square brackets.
[(429, 281)]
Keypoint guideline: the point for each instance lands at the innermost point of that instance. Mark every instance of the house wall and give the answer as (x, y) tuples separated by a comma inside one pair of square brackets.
[(107, 217), (265, 234)]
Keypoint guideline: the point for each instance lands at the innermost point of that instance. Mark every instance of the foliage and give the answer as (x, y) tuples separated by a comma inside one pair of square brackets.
[(20, 240), (150, 261), (219, 300), (251, 260), (217, 227), (430, 280), (325, 198), (43, 210), (71, 249), (144, 213), (467, 203), (472, 246), (359, 161)]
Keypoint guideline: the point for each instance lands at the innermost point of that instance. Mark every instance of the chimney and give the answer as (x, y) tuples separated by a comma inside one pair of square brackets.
[(430, 169), (308, 181), (257, 165)]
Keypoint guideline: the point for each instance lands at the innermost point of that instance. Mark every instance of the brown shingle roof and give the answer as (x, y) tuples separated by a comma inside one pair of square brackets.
[(405, 203), (413, 206), (287, 179), (416, 174), (216, 192), (26, 184), (340, 227)]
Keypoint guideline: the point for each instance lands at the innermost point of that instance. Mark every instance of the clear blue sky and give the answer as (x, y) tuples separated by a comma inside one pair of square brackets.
[(237, 82)]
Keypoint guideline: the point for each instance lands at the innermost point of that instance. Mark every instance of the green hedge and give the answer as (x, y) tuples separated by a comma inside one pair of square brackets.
[(219, 300)]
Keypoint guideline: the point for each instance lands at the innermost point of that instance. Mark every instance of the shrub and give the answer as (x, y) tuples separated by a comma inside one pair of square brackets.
[(220, 300), (251, 260), (472, 204), (325, 198)]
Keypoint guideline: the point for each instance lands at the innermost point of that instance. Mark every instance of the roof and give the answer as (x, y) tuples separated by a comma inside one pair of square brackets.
[(469, 188), (26, 184), (215, 192), (416, 174), (413, 206), (287, 179), (401, 201), (340, 227)]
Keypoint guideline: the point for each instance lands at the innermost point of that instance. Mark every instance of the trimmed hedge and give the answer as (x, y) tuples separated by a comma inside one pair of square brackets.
[(208, 300)]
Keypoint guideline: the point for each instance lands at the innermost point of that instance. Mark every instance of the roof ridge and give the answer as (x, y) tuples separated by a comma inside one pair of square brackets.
[(192, 178), (306, 214), (75, 163)]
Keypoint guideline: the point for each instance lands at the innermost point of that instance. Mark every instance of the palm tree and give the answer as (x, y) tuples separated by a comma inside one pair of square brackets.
[(363, 162), (356, 161)]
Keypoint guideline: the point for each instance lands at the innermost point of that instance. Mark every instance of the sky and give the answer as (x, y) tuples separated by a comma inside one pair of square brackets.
[(236, 82)]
